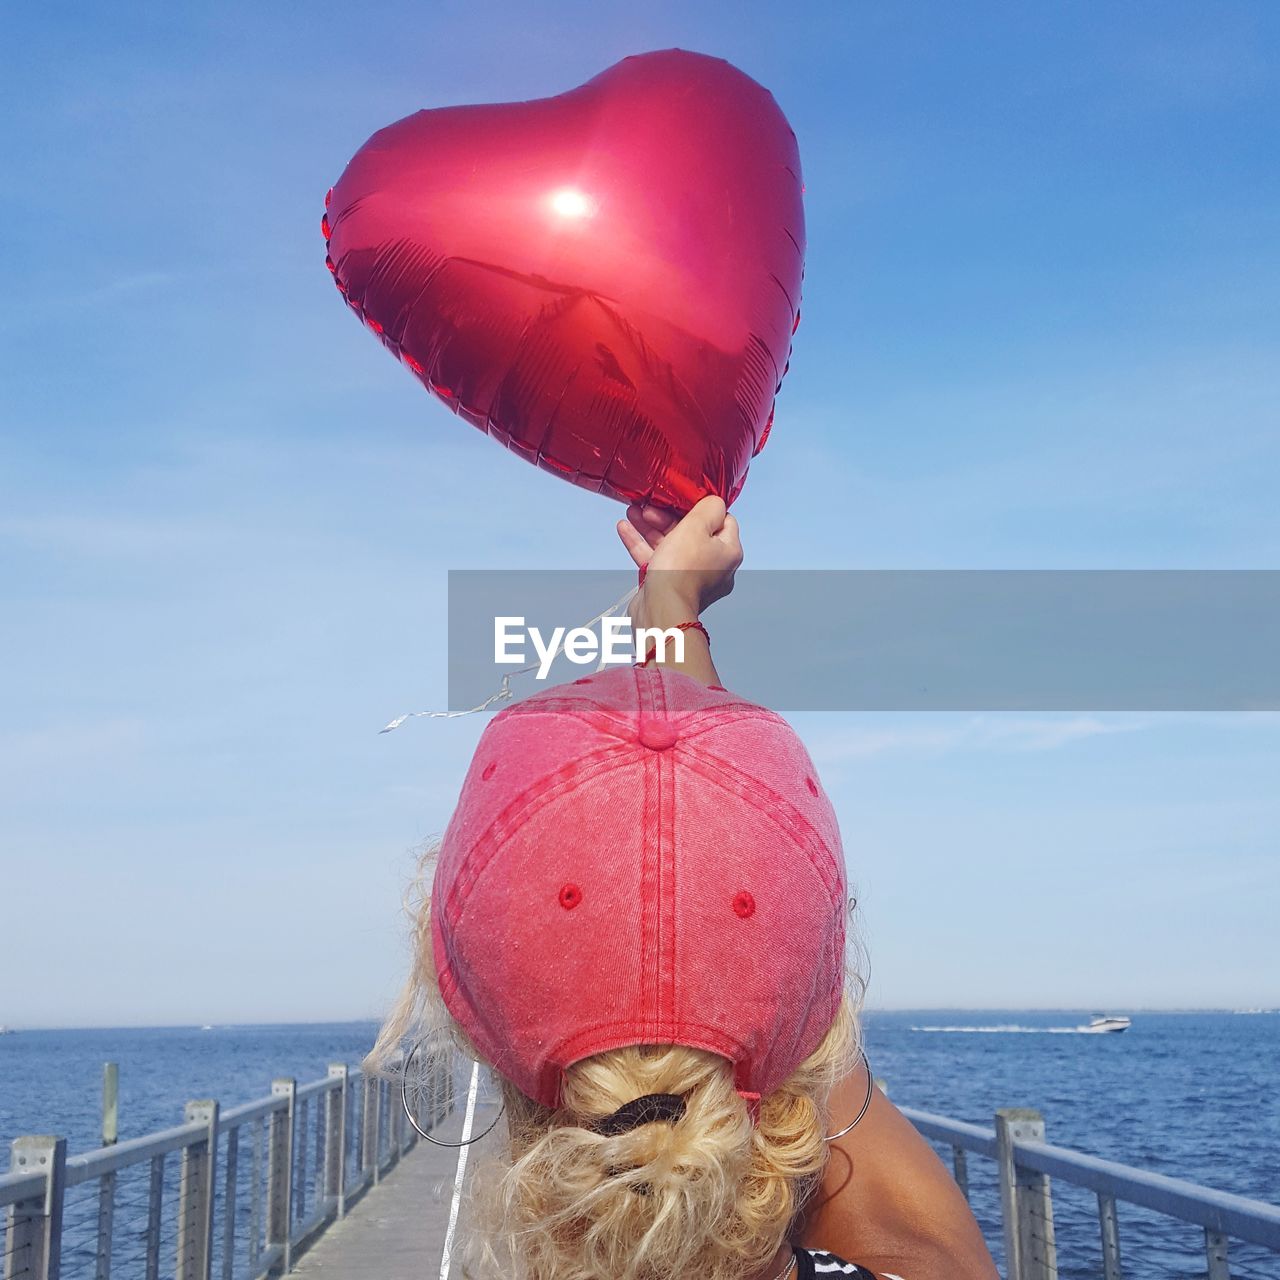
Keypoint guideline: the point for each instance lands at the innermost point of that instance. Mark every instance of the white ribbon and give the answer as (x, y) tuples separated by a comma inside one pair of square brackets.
[(503, 692)]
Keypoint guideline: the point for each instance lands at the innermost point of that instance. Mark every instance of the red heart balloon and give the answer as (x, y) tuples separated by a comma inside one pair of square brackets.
[(606, 281)]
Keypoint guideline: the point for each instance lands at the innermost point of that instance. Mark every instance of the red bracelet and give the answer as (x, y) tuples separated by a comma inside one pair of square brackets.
[(695, 625)]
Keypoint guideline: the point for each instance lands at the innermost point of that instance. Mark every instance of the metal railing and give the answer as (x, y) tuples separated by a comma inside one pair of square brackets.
[(239, 1194), (1025, 1162), (236, 1194)]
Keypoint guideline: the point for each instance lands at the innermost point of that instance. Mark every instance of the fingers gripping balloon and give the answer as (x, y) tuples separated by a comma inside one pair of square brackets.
[(606, 281)]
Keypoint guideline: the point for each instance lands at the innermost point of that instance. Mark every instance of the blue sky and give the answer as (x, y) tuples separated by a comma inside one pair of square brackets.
[(1040, 331)]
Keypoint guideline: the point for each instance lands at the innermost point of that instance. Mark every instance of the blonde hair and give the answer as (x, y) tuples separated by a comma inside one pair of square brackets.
[(712, 1194)]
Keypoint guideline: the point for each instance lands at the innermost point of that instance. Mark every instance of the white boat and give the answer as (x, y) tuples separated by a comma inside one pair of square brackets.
[(7, 1031), (1101, 1023)]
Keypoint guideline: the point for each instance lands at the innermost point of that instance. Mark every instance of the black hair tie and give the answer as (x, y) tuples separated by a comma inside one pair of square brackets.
[(668, 1107)]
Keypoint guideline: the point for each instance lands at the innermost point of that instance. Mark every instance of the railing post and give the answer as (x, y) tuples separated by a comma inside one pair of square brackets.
[(155, 1202), (335, 1139), (388, 1123), (1025, 1201), (322, 1116), (195, 1194), (302, 1115), (396, 1119), (372, 1115), (230, 1180), (355, 1091), (960, 1163), (106, 1225), (255, 1196), (1110, 1228), (33, 1237), (110, 1103), (280, 1173), (1215, 1252)]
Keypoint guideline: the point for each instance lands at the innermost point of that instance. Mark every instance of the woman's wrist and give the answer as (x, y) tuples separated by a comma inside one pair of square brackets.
[(665, 604)]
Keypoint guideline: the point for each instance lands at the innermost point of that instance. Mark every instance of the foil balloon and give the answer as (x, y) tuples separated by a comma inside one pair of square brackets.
[(606, 281)]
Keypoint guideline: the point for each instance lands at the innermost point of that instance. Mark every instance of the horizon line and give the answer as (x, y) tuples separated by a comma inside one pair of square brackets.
[(870, 1009)]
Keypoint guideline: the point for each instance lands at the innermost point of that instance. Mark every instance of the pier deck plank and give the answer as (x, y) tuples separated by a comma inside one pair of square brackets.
[(396, 1230)]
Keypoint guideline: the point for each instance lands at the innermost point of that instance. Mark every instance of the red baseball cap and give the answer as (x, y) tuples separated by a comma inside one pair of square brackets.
[(637, 858)]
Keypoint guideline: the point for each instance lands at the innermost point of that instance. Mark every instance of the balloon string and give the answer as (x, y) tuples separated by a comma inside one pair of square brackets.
[(503, 692)]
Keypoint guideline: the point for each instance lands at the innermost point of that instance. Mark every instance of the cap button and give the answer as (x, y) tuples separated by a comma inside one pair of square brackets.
[(656, 733)]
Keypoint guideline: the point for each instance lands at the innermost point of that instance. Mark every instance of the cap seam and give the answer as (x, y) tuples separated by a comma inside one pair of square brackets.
[(473, 864), (716, 1042), (768, 803), (648, 873), (704, 719)]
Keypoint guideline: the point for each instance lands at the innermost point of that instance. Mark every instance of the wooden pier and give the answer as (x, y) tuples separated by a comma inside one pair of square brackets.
[(398, 1233), (401, 1232)]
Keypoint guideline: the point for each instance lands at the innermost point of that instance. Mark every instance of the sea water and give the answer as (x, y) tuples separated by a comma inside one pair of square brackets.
[(1189, 1095)]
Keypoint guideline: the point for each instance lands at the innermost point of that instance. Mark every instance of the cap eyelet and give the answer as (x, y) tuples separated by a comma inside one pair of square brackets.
[(813, 786), (488, 771), (570, 896), (744, 905)]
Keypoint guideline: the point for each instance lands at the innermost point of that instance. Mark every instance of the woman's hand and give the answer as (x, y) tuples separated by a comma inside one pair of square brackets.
[(688, 564)]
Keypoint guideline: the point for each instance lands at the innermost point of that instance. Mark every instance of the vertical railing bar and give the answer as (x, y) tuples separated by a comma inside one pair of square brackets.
[(357, 1127), (407, 1133), (335, 1156), (397, 1116), (106, 1215), (300, 1162), (322, 1107), (1215, 1252), (155, 1201), (280, 1173), (229, 1204), (255, 1201), (393, 1130), (960, 1162), (369, 1128), (384, 1125), (1109, 1227)]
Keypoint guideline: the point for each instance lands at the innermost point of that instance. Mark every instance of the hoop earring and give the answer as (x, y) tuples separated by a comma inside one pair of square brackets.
[(866, 1103), (421, 1132)]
